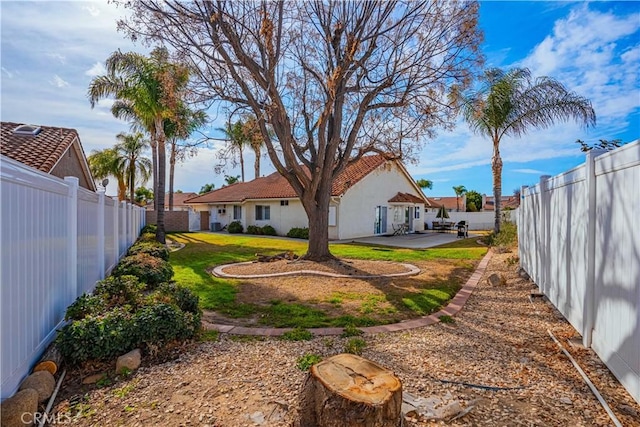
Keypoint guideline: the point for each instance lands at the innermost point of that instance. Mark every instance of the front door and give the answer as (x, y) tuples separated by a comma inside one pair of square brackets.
[(380, 223), (204, 220), (408, 217)]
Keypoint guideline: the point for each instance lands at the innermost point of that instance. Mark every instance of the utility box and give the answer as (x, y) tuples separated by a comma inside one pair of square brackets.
[(216, 226)]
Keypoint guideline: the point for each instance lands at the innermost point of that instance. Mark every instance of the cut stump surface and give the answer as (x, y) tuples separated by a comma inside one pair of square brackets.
[(348, 390)]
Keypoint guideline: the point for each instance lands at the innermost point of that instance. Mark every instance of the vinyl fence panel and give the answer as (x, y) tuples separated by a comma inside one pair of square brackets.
[(579, 241), (50, 254)]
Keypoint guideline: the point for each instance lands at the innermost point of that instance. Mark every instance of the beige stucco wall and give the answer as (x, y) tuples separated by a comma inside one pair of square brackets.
[(356, 212)]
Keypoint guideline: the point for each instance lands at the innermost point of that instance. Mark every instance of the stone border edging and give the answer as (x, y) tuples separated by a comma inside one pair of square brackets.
[(454, 306), (218, 271)]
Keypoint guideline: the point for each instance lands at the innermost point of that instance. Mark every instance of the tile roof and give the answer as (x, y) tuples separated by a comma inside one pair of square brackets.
[(447, 202), (275, 186), (42, 151), (405, 198), (507, 202)]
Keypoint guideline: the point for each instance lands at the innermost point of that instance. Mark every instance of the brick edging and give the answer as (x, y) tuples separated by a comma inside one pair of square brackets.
[(454, 306)]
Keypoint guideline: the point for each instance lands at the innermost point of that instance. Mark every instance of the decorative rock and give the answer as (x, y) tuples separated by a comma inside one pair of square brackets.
[(495, 280), (130, 361), (257, 417), (19, 410), (92, 379), (523, 274), (566, 401), (42, 382)]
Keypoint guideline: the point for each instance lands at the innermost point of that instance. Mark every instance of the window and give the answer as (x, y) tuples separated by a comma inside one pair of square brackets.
[(263, 213), (332, 216), (237, 212), (416, 215), (284, 203)]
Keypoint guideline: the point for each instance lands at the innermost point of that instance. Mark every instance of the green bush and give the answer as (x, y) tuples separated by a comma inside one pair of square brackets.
[(235, 227), (268, 230), (299, 233), (117, 291), (148, 238), (253, 229), (304, 363), (155, 249), (148, 269), (183, 297), (83, 306), (161, 323), (507, 237), (149, 228)]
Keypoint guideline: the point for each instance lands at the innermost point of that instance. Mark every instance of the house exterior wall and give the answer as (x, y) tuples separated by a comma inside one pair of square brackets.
[(173, 220), (356, 211), (70, 165)]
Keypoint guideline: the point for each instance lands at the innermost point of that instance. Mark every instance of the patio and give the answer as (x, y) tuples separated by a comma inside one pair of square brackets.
[(422, 240)]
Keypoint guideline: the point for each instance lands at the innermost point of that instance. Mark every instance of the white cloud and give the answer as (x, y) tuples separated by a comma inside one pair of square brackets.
[(58, 81), (8, 73), (58, 57), (529, 171), (93, 11), (97, 69)]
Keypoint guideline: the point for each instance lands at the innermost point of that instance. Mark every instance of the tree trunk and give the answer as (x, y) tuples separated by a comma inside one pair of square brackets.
[(496, 167), (172, 167), (241, 163), (159, 204), (154, 166), (350, 391), (50, 361), (132, 180), (318, 214), (256, 163), (122, 189)]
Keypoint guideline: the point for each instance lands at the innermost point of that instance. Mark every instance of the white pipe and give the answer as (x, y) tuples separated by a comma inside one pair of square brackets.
[(52, 399), (586, 379)]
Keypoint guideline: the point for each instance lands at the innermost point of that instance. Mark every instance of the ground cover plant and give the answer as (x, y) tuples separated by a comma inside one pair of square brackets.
[(311, 301)]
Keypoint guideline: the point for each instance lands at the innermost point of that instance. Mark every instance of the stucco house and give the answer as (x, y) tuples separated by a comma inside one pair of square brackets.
[(373, 196), (53, 150)]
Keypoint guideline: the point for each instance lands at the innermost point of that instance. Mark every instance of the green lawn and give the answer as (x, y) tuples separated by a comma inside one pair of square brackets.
[(205, 250)]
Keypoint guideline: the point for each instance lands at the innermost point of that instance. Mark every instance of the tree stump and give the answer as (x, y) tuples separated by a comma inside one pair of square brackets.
[(50, 360), (347, 390)]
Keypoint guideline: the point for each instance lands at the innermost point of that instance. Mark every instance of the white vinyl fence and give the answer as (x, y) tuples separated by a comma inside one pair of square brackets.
[(579, 240), (56, 241)]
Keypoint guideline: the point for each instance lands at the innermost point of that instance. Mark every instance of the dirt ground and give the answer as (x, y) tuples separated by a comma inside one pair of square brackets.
[(499, 339)]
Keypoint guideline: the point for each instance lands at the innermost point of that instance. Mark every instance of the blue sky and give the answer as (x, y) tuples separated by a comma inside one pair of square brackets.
[(51, 50)]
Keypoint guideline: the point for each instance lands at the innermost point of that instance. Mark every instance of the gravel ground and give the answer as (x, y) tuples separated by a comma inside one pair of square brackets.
[(499, 339)]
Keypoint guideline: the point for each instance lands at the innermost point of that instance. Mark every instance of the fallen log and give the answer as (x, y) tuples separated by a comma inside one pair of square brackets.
[(349, 391), (50, 361)]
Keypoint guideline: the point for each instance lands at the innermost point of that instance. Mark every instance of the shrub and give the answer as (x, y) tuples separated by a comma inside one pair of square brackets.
[(183, 297), (351, 331), (148, 238), (146, 268), (507, 237), (83, 306), (446, 319), (299, 233), (297, 334), (235, 227), (149, 228), (161, 323), (97, 337), (253, 229), (268, 230), (355, 346), (155, 249), (304, 363), (119, 291)]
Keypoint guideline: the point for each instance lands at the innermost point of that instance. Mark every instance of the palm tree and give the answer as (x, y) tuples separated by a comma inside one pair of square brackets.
[(459, 190), (104, 163), (237, 139), (148, 90), (425, 183), (511, 103), (130, 154), (179, 128), (254, 137)]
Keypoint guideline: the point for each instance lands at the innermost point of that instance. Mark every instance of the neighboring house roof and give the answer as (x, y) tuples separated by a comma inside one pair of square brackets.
[(178, 200), (275, 186), (405, 198), (43, 149), (449, 203), (507, 202)]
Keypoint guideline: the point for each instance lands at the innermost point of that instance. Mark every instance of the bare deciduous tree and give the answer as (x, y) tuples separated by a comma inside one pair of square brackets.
[(330, 79)]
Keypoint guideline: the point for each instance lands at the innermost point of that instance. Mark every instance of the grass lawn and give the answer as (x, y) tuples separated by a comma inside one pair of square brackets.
[(376, 301)]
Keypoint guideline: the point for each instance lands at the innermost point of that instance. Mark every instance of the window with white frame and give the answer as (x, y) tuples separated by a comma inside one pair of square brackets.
[(237, 212), (263, 213)]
